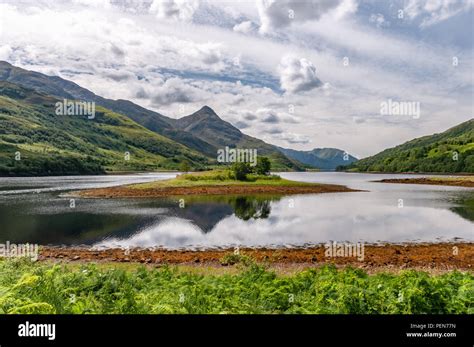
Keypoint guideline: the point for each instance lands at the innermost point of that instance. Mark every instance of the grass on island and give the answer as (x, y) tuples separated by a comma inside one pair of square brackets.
[(217, 182), (41, 288), (220, 178)]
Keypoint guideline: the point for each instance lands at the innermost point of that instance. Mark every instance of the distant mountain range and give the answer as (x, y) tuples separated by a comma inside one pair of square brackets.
[(450, 151), (320, 158)]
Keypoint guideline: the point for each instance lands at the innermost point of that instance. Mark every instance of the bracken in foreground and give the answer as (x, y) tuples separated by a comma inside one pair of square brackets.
[(27, 287)]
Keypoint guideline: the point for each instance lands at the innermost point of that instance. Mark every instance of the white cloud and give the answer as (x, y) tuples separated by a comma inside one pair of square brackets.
[(292, 138), (435, 11), (268, 115), (208, 53), (93, 3), (5, 52), (131, 6), (379, 20), (297, 75), (174, 90), (174, 9), (118, 76), (279, 14), (345, 9), (245, 27)]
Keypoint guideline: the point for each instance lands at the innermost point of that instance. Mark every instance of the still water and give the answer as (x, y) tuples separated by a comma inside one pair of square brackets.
[(35, 210)]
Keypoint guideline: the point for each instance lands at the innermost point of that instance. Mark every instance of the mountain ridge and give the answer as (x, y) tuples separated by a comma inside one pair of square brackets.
[(62, 88), (208, 126)]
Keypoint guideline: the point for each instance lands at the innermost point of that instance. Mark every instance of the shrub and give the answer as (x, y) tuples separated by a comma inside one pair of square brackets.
[(233, 258), (184, 166), (263, 166), (240, 171)]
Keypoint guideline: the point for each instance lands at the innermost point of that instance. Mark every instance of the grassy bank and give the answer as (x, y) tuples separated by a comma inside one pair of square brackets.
[(27, 287)]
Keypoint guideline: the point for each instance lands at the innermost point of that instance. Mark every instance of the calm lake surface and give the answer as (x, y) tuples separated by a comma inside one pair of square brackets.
[(35, 210)]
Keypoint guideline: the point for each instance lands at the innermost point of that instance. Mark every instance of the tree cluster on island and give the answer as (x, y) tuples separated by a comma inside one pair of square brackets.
[(240, 170)]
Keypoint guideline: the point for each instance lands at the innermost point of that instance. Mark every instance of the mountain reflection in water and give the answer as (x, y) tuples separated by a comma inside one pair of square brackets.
[(34, 210)]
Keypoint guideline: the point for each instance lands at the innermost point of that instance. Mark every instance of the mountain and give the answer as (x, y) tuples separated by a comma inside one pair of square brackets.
[(206, 125), (321, 158), (35, 140), (203, 132), (64, 89), (450, 151)]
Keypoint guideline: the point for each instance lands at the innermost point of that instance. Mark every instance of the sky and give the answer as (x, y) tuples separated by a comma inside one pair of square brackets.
[(297, 74)]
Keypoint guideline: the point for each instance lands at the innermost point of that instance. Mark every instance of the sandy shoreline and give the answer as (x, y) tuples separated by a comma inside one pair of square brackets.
[(431, 181), (431, 256)]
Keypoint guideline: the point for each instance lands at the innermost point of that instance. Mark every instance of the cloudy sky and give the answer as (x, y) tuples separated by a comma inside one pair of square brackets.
[(299, 74)]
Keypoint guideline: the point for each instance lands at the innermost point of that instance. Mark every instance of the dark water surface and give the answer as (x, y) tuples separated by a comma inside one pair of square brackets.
[(35, 210)]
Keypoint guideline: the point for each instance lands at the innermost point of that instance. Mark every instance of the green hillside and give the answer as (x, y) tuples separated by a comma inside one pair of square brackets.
[(51, 144), (434, 153), (61, 88)]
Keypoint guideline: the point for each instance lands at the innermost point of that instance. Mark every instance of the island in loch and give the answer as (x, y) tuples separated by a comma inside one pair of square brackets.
[(217, 182)]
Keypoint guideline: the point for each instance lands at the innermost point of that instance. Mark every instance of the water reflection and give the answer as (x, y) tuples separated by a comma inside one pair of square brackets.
[(247, 207), (48, 219), (45, 217), (207, 211), (465, 208)]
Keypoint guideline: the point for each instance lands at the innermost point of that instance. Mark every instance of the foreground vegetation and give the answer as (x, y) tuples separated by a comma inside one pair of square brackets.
[(27, 287)]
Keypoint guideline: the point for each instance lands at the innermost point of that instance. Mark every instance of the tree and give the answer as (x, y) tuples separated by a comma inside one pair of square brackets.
[(263, 166), (241, 170), (184, 166)]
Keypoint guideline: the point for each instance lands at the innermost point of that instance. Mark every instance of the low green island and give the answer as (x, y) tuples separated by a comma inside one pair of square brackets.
[(240, 178)]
